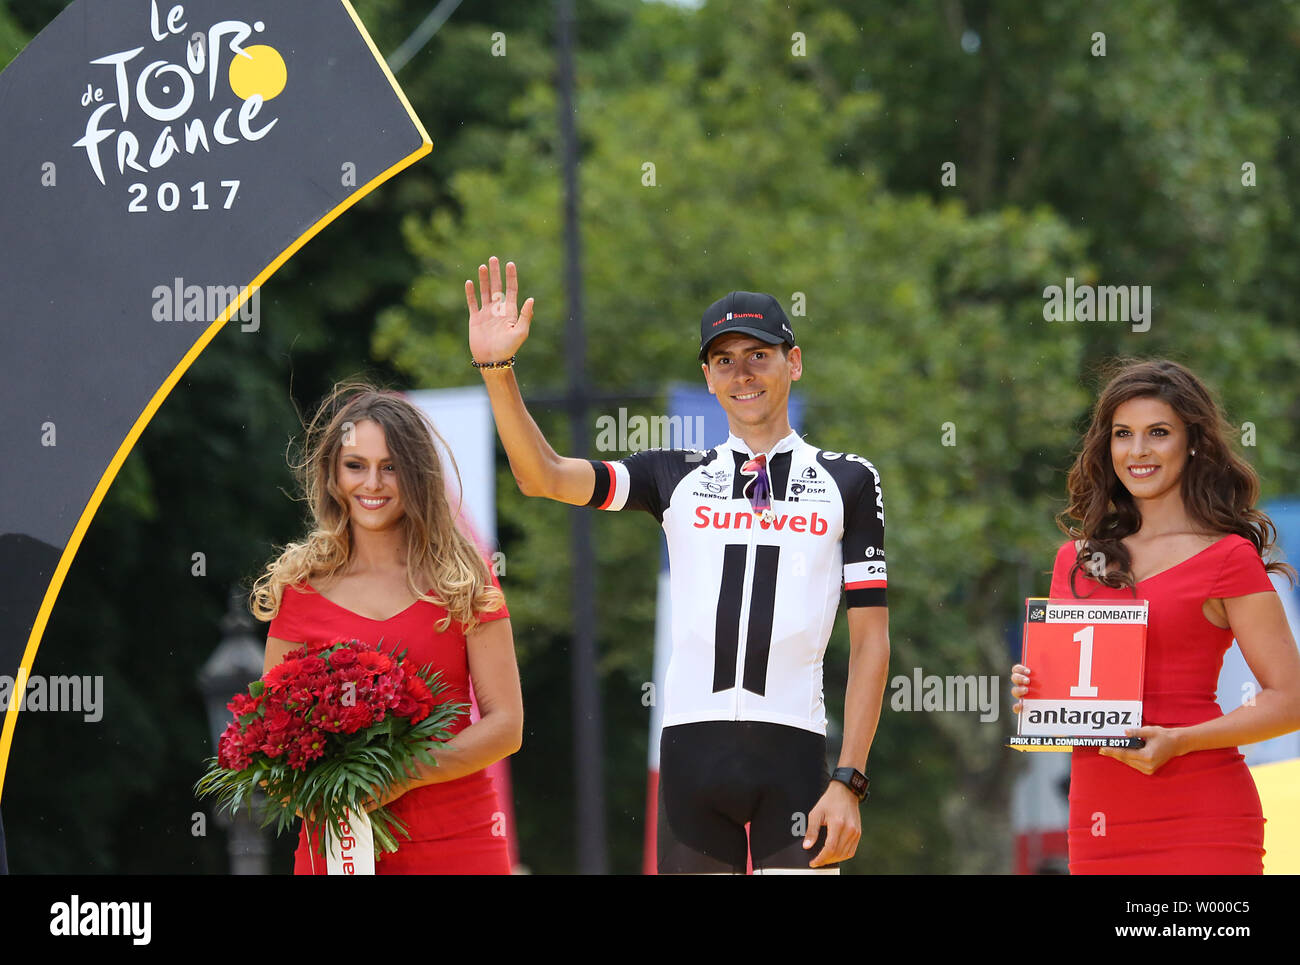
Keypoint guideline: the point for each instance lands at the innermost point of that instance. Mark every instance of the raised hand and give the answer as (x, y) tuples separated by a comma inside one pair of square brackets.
[(497, 327)]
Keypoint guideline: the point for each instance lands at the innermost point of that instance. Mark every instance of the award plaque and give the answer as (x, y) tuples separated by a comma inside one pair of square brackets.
[(1086, 661)]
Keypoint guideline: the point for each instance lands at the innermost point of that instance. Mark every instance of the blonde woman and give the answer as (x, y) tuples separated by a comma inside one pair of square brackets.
[(385, 563)]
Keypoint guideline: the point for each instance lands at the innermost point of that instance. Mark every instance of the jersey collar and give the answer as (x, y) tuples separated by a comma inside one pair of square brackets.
[(785, 445)]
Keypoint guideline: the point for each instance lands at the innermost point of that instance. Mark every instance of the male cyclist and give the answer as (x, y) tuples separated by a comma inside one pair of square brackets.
[(762, 532)]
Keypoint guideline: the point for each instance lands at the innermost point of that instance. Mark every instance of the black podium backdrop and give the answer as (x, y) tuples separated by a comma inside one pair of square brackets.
[(158, 162)]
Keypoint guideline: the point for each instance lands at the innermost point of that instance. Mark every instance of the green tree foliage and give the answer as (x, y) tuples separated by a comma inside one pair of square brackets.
[(1133, 121)]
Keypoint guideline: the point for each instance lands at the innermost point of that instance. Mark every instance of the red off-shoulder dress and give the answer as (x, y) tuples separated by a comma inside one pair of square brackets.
[(1199, 813), (456, 826)]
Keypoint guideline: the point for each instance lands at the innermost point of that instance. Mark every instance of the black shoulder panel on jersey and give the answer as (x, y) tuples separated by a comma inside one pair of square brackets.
[(864, 518), (652, 476)]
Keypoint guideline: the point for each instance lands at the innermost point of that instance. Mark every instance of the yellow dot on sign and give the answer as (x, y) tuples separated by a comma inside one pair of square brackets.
[(261, 72)]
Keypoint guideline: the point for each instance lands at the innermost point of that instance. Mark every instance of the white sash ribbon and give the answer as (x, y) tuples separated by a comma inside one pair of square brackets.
[(352, 848)]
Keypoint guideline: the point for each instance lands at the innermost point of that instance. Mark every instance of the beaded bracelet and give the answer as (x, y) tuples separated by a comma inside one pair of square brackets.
[(507, 364)]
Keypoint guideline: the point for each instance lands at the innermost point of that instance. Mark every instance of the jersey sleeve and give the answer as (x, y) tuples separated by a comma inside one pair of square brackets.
[(291, 622), (1242, 572), (643, 480), (865, 575)]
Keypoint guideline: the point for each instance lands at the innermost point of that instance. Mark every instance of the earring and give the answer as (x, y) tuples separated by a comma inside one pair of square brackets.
[(1193, 452)]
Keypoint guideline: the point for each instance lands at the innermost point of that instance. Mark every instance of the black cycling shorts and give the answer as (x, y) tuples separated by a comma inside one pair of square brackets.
[(717, 776)]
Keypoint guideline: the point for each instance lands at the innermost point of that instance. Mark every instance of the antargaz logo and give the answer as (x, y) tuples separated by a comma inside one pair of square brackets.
[(164, 88)]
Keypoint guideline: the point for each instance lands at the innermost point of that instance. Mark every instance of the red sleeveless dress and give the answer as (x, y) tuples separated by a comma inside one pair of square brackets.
[(456, 826), (1199, 813)]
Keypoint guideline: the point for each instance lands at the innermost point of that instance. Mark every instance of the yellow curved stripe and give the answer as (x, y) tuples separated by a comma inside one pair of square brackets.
[(106, 480)]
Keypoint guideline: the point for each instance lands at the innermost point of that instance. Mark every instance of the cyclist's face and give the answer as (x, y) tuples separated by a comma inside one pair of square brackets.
[(750, 377)]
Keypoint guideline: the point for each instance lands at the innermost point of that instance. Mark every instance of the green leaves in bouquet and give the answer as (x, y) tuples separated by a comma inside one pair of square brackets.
[(327, 791)]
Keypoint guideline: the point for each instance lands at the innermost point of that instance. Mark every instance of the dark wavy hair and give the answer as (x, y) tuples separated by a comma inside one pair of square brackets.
[(1219, 488)]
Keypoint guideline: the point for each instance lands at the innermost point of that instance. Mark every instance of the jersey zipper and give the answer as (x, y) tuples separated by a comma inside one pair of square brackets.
[(742, 632), (747, 593)]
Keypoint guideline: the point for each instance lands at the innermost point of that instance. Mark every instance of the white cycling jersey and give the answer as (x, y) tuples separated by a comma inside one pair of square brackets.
[(753, 600)]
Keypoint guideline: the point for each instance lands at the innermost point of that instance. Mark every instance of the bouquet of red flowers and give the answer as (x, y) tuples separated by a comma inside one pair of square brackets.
[(333, 726)]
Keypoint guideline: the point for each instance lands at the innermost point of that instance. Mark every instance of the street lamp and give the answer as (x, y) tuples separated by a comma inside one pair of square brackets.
[(235, 663)]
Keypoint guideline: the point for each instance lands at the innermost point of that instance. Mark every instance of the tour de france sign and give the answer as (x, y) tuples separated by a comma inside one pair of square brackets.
[(159, 161)]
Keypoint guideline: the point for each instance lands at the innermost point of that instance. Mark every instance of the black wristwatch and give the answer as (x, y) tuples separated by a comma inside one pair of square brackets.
[(857, 782)]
